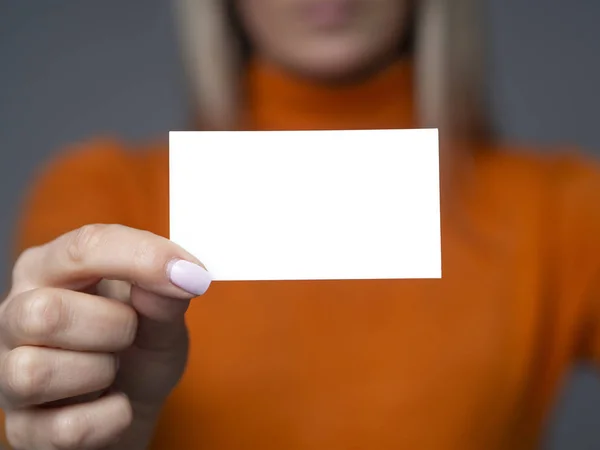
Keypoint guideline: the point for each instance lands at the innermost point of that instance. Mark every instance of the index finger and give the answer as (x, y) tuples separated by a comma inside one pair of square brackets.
[(83, 257)]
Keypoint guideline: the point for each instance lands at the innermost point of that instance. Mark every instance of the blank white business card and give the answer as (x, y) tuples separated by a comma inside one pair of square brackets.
[(308, 205)]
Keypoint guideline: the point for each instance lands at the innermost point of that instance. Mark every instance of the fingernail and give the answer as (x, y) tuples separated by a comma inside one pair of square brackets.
[(188, 276)]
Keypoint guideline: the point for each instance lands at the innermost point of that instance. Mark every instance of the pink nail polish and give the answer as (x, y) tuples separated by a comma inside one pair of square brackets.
[(188, 276)]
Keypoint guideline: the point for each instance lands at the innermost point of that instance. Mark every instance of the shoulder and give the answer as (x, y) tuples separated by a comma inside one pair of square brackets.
[(98, 181), (560, 186), (104, 155), (561, 172), (103, 167)]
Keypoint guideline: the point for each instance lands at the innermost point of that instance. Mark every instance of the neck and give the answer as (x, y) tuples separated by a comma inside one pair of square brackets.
[(279, 99)]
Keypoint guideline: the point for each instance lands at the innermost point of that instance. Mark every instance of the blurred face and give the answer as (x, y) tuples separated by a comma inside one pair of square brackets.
[(328, 39)]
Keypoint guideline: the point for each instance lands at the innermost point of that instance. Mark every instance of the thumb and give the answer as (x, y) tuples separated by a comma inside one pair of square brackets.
[(160, 319), (151, 367), (164, 311)]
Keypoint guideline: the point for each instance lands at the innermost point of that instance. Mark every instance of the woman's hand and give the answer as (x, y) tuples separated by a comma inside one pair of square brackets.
[(80, 369)]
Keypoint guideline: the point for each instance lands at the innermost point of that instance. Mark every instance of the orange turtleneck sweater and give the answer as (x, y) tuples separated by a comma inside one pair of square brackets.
[(471, 361)]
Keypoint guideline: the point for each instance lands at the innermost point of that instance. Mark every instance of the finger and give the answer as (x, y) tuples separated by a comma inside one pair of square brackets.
[(91, 425), (161, 344), (84, 256), (115, 289), (157, 308), (37, 375), (66, 319)]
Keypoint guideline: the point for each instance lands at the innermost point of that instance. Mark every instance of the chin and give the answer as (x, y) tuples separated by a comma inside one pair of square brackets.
[(336, 64)]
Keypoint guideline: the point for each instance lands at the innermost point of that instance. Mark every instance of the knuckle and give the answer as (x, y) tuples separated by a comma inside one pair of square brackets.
[(104, 372), (6, 332), (124, 413), (24, 376), (43, 314), (68, 431), (129, 326), (147, 255), (22, 264), (16, 429), (84, 240)]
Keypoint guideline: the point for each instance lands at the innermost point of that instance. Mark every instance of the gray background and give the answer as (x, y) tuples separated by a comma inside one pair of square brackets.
[(70, 70)]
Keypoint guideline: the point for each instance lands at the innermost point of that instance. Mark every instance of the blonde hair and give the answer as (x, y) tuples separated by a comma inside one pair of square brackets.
[(449, 63)]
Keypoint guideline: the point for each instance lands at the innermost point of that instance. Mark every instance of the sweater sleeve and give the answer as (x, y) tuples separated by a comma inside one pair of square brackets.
[(86, 184), (579, 223)]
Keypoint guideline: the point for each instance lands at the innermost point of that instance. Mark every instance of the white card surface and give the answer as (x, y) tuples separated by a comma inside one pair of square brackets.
[(308, 205)]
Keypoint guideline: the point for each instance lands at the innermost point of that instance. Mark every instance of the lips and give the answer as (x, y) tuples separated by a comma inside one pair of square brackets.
[(328, 13)]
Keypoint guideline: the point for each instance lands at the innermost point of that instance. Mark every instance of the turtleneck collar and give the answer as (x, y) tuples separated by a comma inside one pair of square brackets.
[(279, 100)]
